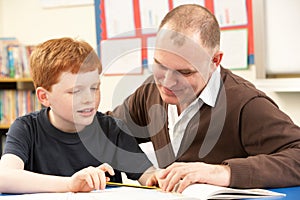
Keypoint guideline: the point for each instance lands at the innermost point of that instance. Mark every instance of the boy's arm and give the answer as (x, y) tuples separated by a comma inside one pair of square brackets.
[(14, 179)]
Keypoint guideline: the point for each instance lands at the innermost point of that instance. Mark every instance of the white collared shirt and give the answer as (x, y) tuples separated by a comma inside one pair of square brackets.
[(177, 124)]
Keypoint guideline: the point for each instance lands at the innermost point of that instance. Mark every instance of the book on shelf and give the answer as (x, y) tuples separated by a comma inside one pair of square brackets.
[(14, 58), (15, 103)]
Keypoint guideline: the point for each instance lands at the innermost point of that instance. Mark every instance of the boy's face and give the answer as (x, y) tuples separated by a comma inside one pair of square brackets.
[(74, 100)]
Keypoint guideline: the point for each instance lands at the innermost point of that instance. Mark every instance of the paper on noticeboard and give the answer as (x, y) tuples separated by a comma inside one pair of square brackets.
[(119, 18), (230, 12), (152, 14), (234, 45)]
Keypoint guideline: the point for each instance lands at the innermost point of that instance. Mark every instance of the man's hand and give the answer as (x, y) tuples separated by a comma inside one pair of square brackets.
[(90, 178), (180, 175)]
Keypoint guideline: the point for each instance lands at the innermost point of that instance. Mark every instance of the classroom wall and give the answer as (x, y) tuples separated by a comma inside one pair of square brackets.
[(32, 24), (1, 23)]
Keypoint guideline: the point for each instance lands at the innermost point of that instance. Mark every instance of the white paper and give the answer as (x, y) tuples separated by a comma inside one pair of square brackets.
[(234, 45), (119, 18), (122, 56), (181, 2), (206, 191), (152, 12), (230, 12), (124, 193)]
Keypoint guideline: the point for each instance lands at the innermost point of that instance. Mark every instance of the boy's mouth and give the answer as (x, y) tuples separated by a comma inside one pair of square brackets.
[(87, 110)]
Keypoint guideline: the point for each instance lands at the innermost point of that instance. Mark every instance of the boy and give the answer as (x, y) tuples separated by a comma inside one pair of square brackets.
[(68, 146)]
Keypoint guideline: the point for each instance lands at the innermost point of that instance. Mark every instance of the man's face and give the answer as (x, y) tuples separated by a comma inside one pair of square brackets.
[(181, 68), (74, 100)]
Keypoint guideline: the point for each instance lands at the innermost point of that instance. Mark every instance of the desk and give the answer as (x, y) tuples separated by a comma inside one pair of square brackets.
[(292, 193)]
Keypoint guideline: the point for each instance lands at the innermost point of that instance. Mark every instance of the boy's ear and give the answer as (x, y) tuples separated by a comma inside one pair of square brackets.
[(42, 95)]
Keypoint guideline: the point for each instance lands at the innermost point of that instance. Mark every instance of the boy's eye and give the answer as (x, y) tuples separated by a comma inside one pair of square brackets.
[(73, 91)]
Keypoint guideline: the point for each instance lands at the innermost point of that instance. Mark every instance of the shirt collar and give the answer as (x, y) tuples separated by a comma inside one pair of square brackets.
[(210, 92)]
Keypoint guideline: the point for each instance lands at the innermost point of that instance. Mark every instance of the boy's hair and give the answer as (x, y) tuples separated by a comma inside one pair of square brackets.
[(53, 57), (196, 19)]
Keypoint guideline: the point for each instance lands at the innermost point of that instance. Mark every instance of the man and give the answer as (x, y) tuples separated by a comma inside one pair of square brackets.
[(206, 124)]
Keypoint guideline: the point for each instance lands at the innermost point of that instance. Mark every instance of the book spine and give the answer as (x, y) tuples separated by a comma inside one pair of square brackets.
[(10, 61)]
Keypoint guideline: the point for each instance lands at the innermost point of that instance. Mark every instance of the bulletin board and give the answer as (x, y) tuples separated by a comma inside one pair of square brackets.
[(126, 32)]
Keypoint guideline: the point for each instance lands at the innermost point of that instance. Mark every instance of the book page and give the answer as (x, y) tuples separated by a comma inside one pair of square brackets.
[(206, 191), (124, 193)]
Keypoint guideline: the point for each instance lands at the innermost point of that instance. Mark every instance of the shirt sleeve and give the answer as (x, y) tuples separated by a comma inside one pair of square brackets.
[(18, 140), (272, 142)]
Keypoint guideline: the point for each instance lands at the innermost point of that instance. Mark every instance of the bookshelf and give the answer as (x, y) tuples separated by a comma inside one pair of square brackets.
[(17, 94), (17, 98)]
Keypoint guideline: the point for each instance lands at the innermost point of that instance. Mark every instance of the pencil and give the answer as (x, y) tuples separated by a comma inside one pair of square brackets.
[(130, 185)]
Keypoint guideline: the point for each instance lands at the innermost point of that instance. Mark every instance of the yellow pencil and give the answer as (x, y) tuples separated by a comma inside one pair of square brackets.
[(131, 185)]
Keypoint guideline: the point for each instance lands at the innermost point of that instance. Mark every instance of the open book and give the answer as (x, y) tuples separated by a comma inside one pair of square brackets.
[(205, 191), (130, 192)]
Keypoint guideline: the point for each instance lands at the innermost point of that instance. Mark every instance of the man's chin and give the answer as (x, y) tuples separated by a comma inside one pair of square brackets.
[(170, 100)]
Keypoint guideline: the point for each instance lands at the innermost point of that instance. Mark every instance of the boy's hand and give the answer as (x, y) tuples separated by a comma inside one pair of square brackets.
[(90, 178), (153, 180)]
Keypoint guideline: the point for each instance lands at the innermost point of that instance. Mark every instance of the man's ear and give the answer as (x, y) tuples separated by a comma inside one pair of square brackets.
[(217, 58), (42, 95)]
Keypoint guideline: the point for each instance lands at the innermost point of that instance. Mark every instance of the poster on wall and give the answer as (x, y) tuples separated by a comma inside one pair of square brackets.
[(138, 21)]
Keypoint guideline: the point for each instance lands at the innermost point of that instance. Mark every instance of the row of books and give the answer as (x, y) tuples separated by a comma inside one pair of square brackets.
[(15, 103), (14, 58)]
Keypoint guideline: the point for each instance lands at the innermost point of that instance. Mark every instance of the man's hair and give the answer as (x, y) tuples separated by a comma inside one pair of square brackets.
[(194, 18), (53, 57)]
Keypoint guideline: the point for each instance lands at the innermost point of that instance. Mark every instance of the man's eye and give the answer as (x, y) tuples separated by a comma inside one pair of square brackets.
[(186, 73), (95, 88)]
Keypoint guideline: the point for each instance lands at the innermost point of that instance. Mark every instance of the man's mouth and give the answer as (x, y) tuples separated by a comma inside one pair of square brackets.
[(168, 91)]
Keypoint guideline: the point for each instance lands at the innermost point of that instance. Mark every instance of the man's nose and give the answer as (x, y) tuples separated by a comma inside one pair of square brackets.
[(170, 79)]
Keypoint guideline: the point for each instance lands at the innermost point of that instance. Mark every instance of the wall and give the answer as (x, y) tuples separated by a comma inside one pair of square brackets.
[(1, 17), (32, 24), (282, 31)]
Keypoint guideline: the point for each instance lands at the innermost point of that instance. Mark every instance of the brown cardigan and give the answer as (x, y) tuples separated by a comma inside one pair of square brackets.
[(245, 130)]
